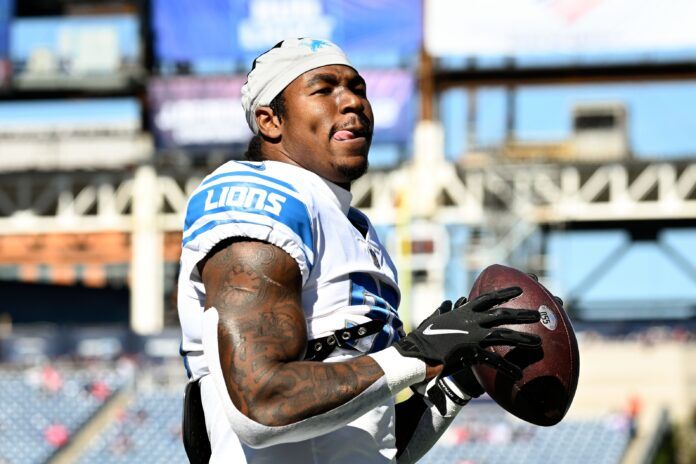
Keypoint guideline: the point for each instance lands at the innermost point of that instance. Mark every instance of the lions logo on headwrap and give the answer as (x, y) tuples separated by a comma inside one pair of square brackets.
[(314, 44), (279, 66)]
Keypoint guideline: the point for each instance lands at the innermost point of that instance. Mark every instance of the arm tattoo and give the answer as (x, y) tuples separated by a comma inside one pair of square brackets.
[(262, 336)]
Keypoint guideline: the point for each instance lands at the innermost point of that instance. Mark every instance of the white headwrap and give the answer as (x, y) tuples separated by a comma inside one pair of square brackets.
[(282, 64)]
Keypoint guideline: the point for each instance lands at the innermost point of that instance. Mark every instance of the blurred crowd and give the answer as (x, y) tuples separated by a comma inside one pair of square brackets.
[(646, 336)]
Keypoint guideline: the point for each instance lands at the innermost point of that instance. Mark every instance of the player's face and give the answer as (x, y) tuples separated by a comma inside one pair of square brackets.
[(329, 123)]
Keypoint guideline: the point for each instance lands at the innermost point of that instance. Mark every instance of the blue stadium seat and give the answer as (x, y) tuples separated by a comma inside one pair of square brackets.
[(485, 433), (27, 410), (149, 430)]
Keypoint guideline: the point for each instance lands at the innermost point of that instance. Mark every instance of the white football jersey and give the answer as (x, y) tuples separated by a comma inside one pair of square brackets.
[(347, 279)]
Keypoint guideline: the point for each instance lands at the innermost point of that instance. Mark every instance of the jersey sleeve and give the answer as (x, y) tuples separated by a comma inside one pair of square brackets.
[(253, 205)]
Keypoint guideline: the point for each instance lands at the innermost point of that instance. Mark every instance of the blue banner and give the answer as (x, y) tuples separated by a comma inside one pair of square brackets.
[(5, 16), (238, 30), (392, 95), (69, 117)]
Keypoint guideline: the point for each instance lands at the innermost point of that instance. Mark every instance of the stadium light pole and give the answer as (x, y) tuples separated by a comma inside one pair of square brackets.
[(417, 197), (147, 273)]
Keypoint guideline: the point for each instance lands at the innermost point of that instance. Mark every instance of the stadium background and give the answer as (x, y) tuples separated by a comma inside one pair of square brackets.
[(552, 135)]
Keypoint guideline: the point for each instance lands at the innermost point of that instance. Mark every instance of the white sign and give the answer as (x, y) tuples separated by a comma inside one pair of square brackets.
[(526, 27), (203, 121), (271, 21)]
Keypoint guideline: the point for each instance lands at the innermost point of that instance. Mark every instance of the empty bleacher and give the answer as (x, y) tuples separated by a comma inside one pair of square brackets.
[(485, 434), (147, 431), (42, 408), (146, 428)]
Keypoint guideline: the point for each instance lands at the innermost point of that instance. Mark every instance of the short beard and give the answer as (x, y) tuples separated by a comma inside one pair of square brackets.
[(353, 172)]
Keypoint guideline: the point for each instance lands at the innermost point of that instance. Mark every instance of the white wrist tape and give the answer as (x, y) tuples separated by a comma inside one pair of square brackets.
[(259, 435), (455, 389), (400, 371), (452, 407)]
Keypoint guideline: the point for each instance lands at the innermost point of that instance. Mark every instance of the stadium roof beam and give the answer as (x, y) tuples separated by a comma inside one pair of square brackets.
[(539, 193), (563, 74), (547, 193)]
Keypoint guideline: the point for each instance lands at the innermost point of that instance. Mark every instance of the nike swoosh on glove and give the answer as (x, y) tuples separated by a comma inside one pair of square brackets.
[(458, 337)]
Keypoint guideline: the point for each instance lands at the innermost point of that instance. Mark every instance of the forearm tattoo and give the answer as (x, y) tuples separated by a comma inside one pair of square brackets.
[(262, 337)]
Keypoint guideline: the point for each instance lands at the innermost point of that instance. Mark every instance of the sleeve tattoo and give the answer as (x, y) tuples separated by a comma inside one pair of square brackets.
[(262, 336)]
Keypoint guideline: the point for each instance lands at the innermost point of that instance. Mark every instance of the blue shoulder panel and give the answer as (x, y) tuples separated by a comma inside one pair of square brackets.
[(238, 174), (240, 195)]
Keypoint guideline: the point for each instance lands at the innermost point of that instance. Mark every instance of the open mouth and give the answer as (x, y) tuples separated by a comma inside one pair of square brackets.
[(345, 135)]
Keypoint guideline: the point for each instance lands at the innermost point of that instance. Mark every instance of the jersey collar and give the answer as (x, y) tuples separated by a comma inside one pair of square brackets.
[(341, 197)]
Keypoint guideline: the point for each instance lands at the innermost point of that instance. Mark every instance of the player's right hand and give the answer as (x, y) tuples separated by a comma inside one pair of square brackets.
[(458, 337)]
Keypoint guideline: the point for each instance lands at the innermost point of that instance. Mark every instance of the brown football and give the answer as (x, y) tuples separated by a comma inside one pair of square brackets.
[(549, 373)]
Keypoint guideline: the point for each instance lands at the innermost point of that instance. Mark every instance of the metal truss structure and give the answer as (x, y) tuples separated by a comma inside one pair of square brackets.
[(508, 202), (474, 195), (505, 202)]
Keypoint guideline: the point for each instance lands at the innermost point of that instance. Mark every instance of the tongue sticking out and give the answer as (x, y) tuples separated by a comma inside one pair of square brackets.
[(343, 135)]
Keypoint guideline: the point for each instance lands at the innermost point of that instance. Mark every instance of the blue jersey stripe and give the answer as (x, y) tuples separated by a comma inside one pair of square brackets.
[(237, 174), (390, 294), (215, 223), (365, 290), (364, 282), (357, 217)]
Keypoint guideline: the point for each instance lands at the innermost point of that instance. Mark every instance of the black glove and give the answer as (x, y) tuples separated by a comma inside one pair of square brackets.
[(464, 380), (458, 337)]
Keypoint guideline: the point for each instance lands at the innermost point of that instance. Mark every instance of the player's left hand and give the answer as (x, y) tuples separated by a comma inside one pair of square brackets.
[(457, 337), (461, 376), (459, 386)]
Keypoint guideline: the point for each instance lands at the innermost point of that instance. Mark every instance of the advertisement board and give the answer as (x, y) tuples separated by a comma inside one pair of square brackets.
[(204, 112), (392, 95), (566, 27), (197, 111), (239, 30), (75, 48)]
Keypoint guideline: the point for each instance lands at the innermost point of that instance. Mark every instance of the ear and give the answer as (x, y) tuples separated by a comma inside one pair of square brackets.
[(269, 124)]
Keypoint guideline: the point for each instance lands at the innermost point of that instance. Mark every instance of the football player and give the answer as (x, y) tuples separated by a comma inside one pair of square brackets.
[(288, 300)]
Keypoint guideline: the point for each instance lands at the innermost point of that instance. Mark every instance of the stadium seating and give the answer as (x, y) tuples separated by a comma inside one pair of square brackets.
[(41, 410), (484, 433), (147, 431)]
